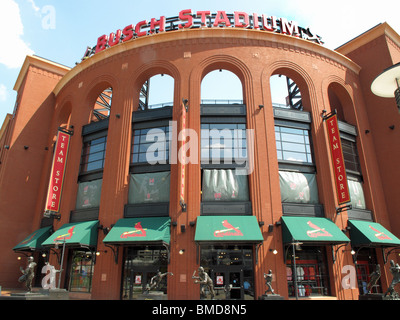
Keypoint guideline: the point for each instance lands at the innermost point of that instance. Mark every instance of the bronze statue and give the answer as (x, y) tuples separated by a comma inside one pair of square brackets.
[(205, 282), (395, 270), (268, 280), (374, 277), (155, 281), (28, 273)]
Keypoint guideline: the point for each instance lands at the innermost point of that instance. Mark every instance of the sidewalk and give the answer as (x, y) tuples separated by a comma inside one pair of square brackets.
[(38, 294)]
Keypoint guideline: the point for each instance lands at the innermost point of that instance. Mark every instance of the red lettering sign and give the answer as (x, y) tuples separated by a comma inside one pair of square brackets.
[(57, 172), (335, 145), (188, 19)]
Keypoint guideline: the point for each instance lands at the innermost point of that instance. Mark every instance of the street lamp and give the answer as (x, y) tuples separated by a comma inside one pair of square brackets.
[(387, 84), (295, 246)]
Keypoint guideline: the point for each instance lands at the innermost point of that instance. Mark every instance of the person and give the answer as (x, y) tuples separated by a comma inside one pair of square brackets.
[(395, 270), (155, 281), (268, 280), (205, 282), (28, 273)]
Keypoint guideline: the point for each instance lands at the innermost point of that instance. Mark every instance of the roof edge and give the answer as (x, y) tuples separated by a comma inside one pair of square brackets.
[(368, 36), (32, 60)]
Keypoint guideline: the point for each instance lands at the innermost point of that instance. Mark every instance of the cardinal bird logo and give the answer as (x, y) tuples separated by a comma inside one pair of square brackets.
[(317, 231), (138, 232), (229, 231), (28, 239), (65, 236), (380, 235)]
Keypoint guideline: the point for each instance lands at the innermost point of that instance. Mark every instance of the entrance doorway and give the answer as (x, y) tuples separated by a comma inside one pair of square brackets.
[(231, 269), (140, 266)]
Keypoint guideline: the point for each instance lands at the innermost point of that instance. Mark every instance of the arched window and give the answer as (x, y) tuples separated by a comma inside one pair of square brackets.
[(221, 87), (102, 106), (157, 92), (150, 150), (223, 144), (285, 93)]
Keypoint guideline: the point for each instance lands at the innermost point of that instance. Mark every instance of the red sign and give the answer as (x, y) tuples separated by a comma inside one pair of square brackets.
[(57, 172), (335, 145), (186, 19)]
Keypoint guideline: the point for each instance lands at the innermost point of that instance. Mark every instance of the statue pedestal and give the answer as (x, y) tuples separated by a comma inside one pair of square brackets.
[(25, 296), (152, 295), (372, 296), (271, 297), (58, 294)]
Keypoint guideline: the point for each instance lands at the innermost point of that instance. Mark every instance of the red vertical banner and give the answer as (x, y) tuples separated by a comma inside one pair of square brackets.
[(335, 145), (57, 172)]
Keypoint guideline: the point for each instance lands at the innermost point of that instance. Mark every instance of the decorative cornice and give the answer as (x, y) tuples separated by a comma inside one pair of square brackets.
[(44, 64), (206, 35), (370, 36)]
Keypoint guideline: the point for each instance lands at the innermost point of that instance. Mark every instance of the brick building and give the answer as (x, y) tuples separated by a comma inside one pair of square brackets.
[(268, 201)]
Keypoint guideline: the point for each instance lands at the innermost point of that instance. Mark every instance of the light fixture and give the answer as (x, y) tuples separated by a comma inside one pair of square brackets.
[(274, 251), (387, 84), (182, 251), (185, 104)]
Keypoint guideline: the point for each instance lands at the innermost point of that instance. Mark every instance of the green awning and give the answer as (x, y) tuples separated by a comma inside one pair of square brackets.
[(228, 229), (148, 230), (34, 241), (75, 234), (365, 233), (311, 230)]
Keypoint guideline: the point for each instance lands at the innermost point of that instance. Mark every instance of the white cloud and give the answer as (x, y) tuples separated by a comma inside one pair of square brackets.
[(13, 54), (34, 6), (3, 92)]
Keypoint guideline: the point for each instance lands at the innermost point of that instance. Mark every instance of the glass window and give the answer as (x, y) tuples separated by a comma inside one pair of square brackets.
[(141, 265), (367, 264), (223, 142), (356, 194), (311, 271), (149, 187), (93, 154), (298, 187), (89, 194), (224, 185), (350, 156), (293, 144), (151, 145), (81, 271)]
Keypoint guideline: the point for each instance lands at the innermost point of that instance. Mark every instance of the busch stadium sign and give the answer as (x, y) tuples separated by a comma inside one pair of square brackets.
[(202, 19)]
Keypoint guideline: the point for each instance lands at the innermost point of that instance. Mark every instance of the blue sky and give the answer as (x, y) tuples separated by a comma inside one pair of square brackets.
[(60, 30)]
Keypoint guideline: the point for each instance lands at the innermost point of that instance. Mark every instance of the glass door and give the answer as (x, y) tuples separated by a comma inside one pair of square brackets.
[(236, 285), (231, 269), (142, 264)]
